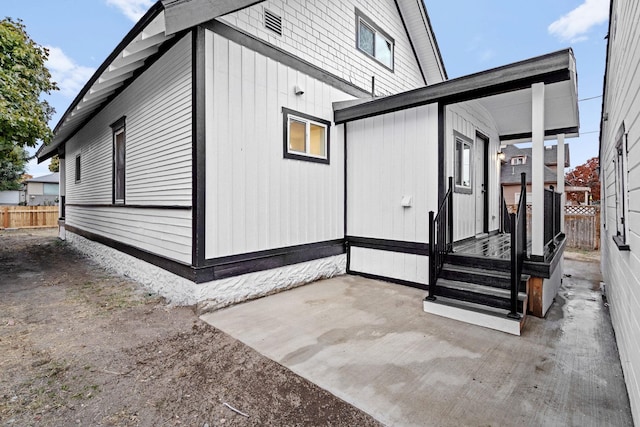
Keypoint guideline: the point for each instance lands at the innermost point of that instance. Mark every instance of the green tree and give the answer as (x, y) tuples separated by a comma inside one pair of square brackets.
[(12, 165), (24, 116), (54, 166)]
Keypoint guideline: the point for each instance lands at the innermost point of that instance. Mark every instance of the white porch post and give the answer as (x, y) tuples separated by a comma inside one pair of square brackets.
[(537, 169), (560, 179)]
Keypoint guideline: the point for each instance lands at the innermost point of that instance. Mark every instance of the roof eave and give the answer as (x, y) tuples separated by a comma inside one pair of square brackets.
[(47, 151), (551, 68)]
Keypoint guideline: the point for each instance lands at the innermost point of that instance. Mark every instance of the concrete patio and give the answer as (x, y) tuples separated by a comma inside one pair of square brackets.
[(370, 343)]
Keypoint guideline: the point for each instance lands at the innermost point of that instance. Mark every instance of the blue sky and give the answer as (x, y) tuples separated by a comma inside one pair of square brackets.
[(473, 36)]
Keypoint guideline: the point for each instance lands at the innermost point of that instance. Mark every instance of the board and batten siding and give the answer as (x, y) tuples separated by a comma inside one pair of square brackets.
[(323, 33), (157, 106), (467, 118), (621, 268), (256, 199), (389, 157)]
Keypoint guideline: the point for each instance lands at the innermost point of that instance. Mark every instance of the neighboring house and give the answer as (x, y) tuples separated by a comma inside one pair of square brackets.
[(252, 146), (43, 190), (620, 192), (11, 197), (518, 160)]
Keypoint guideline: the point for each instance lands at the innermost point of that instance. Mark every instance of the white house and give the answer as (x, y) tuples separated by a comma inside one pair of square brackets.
[(619, 176), (42, 190), (251, 146)]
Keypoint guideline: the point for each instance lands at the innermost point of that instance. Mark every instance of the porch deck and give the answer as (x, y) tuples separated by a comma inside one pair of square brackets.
[(497, 246)]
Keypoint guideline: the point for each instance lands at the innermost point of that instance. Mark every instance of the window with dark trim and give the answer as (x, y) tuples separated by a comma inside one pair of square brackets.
[(119, 161), (463, 164), (77, 171), (621, 189), (305, 137), (374, 41)]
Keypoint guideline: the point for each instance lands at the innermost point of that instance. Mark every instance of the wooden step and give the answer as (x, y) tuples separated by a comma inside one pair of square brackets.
[(480, 276), (478, 261), (478, 294)]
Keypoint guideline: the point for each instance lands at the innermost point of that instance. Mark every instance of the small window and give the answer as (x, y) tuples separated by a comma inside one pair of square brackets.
[(119, 157), (50, 189), (519, 160), (78, 168), (373, 41), (622, 203), (305, 137), (463, 164)]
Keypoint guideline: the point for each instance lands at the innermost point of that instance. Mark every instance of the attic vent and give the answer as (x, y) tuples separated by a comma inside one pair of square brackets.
[(273, 22)]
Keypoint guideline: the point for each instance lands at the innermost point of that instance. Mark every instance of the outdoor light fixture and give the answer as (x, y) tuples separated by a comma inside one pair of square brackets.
[(501, 156), (298, 90)]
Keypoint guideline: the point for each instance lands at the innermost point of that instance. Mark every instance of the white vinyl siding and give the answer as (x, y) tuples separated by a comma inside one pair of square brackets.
[(468, 118), (157, 106), (256, 199), (389, 157), (324, 34), (165, 232), (621, 269)]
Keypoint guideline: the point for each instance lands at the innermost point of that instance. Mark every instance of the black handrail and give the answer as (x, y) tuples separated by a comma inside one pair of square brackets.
[(518, 246), (552, 215), (505, 219), (440, 238)]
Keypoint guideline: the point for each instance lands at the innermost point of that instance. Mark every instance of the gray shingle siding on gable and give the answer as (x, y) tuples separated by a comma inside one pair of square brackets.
[(323, 33)]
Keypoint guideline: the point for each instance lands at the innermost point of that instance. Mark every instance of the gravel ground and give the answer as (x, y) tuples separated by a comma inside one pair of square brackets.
[(81, 346)]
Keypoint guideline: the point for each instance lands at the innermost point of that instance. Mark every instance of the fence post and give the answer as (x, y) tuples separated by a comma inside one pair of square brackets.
[(5, 217)]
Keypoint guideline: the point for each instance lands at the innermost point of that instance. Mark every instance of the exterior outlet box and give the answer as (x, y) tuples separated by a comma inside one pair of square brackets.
[(406, 201)]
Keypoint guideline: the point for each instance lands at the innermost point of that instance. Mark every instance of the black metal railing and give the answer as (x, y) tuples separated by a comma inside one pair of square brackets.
[(440, 238), (552, 217), (518, 246), (505, 219)]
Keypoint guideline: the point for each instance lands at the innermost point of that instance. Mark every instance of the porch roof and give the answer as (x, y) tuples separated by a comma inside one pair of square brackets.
[(504, 91)]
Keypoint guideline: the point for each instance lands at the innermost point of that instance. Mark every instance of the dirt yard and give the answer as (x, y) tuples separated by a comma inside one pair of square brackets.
[(80, 346)]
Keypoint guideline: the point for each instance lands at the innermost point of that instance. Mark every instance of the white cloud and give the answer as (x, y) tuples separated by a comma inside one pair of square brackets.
[(132, 9), (574, 25), (69, 76)]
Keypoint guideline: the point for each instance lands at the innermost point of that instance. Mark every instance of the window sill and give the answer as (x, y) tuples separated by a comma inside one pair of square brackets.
[(462, 190), (622, 246)]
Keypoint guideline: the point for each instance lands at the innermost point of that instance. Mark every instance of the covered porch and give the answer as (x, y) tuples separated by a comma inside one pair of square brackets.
[(532, 101)]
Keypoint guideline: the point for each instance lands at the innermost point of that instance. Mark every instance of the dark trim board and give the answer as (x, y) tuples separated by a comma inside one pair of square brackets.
[(545, 268), (548, 132), (175, 267), (551, 68), (198, 147), (120, 205), (224, 267), (416, 248), (390, 280), (285, 58), (235, 265)]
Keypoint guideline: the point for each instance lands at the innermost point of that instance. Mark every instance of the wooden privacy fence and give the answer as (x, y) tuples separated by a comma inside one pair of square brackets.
[(581, 225), (28, 216)]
